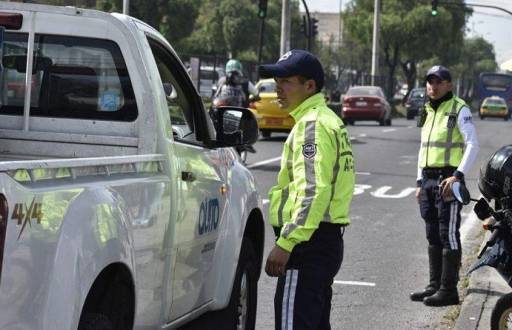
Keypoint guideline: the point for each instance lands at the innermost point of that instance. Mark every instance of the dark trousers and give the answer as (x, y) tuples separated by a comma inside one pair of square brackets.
[(303, 295), (442, 218)]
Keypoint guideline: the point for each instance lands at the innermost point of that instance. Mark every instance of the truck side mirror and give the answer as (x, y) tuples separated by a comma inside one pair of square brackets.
[(235, 126)]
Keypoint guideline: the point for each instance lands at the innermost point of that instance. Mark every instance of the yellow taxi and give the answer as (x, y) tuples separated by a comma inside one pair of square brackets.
[(270, 117), (494, 106)]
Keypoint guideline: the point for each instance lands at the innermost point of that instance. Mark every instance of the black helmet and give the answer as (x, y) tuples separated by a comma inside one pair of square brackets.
[(496, 175)]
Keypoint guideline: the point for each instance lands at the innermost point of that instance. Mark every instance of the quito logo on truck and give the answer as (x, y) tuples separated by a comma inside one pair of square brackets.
[(208, 216)]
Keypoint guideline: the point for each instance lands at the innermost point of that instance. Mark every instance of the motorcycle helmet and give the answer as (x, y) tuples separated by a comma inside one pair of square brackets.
[(233, 65), (495, 177)]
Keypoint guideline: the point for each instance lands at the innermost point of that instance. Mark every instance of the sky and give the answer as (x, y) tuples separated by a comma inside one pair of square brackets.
[(491, 24)]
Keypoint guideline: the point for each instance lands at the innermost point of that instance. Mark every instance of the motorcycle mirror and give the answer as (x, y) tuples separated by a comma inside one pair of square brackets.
[(482, 209), (461, 193)]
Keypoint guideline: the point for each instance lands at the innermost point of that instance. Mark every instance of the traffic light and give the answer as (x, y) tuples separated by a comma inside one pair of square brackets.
[(314, 26), (434, 7), (262, 9)]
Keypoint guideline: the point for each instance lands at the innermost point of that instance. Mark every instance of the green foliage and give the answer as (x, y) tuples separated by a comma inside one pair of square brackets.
[(408, 32)]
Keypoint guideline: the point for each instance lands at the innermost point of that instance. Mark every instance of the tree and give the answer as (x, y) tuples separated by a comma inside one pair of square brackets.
[(409, 33), (477, 56)]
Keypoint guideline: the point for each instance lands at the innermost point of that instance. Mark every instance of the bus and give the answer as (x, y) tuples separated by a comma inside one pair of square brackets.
[(495, 84)]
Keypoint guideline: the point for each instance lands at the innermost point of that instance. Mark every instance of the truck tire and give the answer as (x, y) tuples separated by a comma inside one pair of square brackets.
[(95, 321), (241, 311)]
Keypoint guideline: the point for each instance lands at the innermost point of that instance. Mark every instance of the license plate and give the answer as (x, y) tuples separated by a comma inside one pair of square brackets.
[(274, 121), (361, 104)]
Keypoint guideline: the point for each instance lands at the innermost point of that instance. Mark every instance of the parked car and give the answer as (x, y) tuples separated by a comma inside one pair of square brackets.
[(414, 101), (271, 118), (494, 106), (366, 103)]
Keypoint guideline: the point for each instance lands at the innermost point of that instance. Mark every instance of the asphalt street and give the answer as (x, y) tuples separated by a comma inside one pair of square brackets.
[(385, 247)]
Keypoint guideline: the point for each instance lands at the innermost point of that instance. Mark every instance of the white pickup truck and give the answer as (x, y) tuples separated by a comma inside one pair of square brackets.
[(122, 204)]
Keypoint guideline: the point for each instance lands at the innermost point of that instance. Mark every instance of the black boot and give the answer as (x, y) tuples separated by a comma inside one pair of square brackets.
[(447, 294), (435, 262)]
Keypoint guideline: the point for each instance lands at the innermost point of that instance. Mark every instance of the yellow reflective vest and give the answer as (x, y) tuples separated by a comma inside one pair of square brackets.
[(316, 179), (442, 145)]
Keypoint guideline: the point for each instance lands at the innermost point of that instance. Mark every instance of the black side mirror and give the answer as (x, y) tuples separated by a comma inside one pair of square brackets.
[(461, 193), (235, 126), (482, 209), (254, 98)]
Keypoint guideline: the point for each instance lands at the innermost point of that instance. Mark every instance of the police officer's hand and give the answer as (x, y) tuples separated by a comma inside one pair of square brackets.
[(418, 191), (446, 186), (276, 261)]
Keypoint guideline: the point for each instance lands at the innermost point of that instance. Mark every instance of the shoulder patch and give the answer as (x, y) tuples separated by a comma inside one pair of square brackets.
[(309, 150)]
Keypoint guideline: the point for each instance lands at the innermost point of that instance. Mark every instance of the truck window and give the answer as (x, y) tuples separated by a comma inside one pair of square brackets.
[(180, 110), (73, 77)]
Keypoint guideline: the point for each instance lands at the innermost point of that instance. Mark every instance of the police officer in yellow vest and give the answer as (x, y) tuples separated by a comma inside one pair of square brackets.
[(448, 149), (309, 206)]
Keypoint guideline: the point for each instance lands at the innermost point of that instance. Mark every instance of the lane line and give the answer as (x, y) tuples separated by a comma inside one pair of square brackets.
[(264, 201), (388, 130), (355, 283), (264, 162), (363, 173)]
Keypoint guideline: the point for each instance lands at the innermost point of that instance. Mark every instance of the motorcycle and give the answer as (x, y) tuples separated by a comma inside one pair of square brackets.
[(497, 251), (222, 101)]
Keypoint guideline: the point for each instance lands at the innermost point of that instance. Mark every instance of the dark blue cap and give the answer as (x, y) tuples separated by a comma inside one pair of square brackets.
[(295, 62), (439, 71)]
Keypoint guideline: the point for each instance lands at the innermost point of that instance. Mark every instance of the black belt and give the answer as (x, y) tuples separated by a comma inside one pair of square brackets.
[(436, 172), (322, 225)]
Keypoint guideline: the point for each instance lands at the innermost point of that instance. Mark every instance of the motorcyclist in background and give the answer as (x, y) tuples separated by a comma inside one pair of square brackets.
[(235, 85), (233, 90)]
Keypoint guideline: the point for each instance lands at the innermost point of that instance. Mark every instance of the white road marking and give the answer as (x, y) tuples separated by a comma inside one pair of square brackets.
[(264, 162), (360, 188), (265, 201), (362, 135), (355, 283), (363, 173), (382, 192), (388, 130)]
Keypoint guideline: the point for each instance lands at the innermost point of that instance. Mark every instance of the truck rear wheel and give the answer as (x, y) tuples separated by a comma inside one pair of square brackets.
[(241, 311)]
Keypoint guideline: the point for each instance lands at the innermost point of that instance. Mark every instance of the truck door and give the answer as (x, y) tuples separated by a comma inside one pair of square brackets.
[(201, 199)]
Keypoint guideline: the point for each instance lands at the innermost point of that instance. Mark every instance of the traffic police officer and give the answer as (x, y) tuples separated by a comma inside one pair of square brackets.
[(309, 206), (448, 149)]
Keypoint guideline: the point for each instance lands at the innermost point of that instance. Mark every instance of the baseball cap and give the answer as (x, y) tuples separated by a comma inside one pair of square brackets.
[(295, 62), (439, 71)]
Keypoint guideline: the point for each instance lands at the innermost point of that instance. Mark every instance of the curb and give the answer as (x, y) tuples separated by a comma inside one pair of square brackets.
[(485, 287)]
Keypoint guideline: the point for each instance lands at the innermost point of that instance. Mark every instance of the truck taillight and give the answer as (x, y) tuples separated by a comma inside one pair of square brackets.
[(4, 212), (11, 21)]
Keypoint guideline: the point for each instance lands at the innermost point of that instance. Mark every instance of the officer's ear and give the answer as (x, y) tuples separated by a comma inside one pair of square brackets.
[(310, 86)]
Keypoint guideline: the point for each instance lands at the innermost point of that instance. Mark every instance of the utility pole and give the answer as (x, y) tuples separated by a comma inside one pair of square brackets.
[(126, 7), (285, 27), (375, 43)]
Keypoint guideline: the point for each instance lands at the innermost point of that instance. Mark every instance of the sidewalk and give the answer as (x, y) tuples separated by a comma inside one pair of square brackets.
[(485, 285)]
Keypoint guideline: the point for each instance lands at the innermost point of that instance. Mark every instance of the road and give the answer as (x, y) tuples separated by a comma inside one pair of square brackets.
[(385, 247)]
